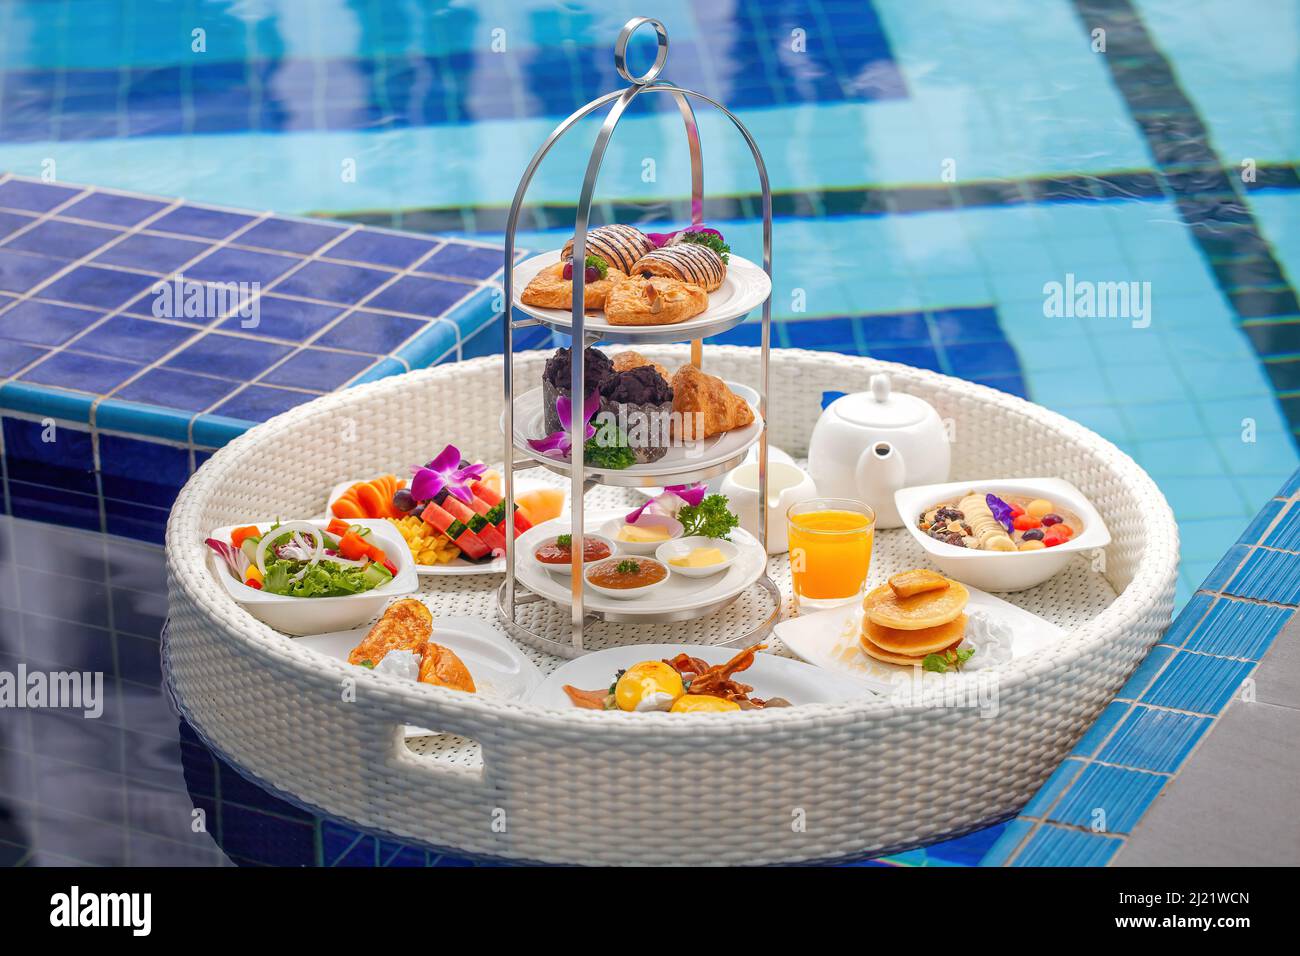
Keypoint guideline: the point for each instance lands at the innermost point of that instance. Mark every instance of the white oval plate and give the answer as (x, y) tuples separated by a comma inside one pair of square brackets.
[(454, 567), (530, 423), (680, 593), (829, 639), (770, 676), (498, 667), (745, 287)]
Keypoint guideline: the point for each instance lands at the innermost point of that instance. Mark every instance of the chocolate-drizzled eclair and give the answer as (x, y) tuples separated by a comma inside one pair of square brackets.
[(618, 245), (687, 261)]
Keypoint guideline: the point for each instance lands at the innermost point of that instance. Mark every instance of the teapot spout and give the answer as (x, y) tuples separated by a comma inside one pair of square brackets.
[(880, 472)]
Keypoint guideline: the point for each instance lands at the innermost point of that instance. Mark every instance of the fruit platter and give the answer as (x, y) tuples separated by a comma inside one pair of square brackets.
[(545, 616)]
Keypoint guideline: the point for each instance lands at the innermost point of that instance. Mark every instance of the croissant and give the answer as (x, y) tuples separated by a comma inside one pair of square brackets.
[(687, 261), (441, 667), (618, 245), (720, 409)]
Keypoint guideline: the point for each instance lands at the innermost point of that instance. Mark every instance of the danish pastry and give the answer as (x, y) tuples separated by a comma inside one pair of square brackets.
[(687, 261), (657, 301), (618, 245), (550, 290)]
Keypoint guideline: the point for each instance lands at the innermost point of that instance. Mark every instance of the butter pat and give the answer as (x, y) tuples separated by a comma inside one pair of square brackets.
[(639, 535), (699, 558)]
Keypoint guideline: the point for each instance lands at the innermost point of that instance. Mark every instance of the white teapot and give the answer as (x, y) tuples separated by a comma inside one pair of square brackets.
[(870, 444)]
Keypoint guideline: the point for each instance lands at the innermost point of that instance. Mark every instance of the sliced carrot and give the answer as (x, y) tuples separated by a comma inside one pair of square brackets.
[(370, 500), (239, 534), (338, 527), (345, 506)]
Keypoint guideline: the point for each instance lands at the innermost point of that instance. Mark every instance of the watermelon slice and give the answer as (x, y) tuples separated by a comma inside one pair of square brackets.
[(487, 494), (473, 520), (471, 545)]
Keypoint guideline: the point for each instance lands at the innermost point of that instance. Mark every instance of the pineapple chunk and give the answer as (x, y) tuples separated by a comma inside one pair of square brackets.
[(908, 583)]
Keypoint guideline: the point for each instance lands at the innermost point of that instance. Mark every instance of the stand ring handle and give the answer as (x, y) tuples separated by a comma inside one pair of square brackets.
[(620, 51)]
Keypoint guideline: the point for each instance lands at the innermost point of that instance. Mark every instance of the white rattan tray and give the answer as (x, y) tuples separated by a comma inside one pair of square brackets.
[(509, 780)]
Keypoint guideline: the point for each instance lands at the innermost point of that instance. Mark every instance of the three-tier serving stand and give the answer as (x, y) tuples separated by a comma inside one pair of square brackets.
[(512, 594)]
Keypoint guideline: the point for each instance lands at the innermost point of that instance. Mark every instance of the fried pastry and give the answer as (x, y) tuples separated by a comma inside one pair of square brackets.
[(550, 290), (720, 409), (627, 360), (927, 609), (618, 245), (687, 261), (404, 626), (441, 667), (657, 301)]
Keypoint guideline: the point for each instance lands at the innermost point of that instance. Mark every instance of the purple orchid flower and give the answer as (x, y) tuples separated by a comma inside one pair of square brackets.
[(445, 472), (559, 444), (691, 494), (661, 239)]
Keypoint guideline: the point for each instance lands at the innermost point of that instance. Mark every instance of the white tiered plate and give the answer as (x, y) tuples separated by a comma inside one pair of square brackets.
[(498, 667), (829, 639), (680, 595), (680, 465), (769, 675), (743, 290), (453, 567)]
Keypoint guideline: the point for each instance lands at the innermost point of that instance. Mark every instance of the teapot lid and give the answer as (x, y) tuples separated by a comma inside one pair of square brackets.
[(882, 407)]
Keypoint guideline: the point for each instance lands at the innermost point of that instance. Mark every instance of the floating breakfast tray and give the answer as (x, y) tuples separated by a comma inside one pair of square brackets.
[(510, 780)]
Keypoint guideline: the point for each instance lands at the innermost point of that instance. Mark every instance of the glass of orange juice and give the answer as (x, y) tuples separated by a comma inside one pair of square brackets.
[(830, 551)]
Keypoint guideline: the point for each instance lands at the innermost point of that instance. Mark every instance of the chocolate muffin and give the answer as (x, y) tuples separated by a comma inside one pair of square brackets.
[(555, 381), (641, 402)]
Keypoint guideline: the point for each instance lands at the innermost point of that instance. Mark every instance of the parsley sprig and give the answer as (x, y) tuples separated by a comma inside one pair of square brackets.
[(710, 518)]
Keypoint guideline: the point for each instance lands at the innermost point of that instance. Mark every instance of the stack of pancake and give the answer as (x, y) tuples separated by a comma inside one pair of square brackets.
[(914, 614)]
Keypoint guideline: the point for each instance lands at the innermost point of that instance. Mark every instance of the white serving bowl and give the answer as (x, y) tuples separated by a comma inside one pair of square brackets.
[(625, 594), (1003, 570), (684, 546), (564, 569), (610, 529), (319, 615)]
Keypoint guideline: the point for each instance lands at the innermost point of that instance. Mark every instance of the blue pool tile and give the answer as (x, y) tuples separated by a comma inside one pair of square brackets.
[(19, 272), (1292, 486), (1057, 846), (290, 319), (318, 369), (32, 196), (179, 390), (104, 288), (1155, 740), (1146, 672), (112, 209), (1262, 521), (257, 403), (43, 503), (133, 339), (983, 360), (1013, 834), (381, 369), (1239, 629), (133, 520), (140, 419), (44, 323), (954, 326), (15, 355), (11, 222), (46, 402), (157, 254), (228, 356), (1285, 536), (372, 332), (1108, 799), (290, 235), (85, 373), (1047, 794), (240, 265), (1268, 576), (1199, 683), (331, 282), (919, 356), (62, 240), (1188, 618), (383, 249), (904, 328), (201, 222), (437, 342), (147, 472), (1101, 729), (1227, 566), (463, 261), (416, 295), (58, 455)]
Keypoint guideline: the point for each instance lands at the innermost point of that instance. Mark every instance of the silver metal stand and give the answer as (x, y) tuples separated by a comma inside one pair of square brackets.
[(511, 593)]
